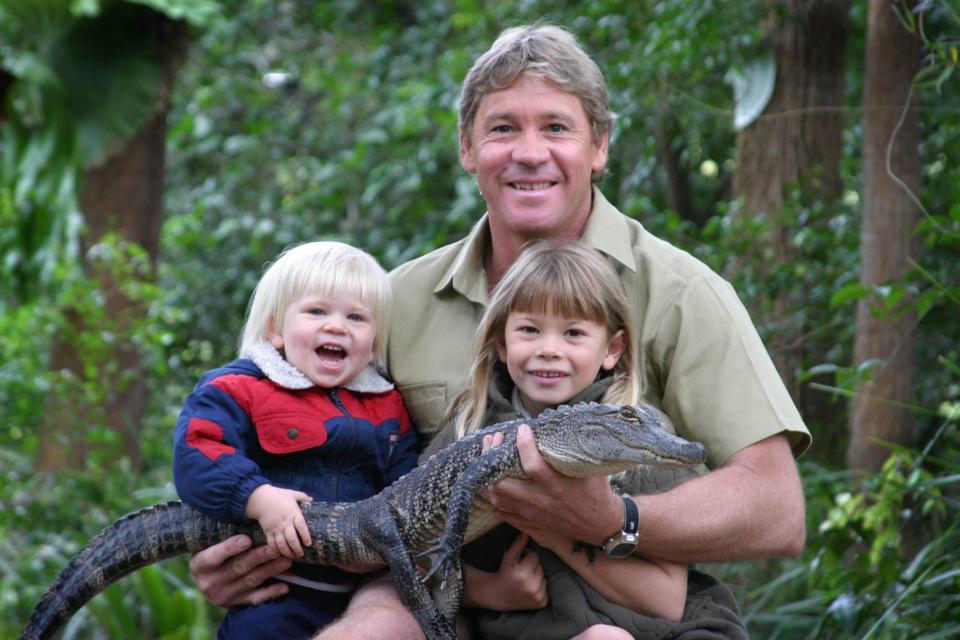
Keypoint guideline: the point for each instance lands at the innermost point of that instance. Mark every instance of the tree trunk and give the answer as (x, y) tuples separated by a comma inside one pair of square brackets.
[(796, 143), (122, 193), (890, 133), (676, 184)]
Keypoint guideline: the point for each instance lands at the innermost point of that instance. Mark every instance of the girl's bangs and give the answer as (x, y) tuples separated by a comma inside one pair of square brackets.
[(557, 295)]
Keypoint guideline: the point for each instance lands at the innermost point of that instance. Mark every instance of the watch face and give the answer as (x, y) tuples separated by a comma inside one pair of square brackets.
[(620, 550)]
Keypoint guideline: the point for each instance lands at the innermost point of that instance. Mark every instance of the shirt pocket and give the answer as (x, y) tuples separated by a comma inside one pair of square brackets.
[(290, 432), (426, 402)]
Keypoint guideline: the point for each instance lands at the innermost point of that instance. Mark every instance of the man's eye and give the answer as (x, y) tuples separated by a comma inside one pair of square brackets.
[(556, 128), (502, 128)]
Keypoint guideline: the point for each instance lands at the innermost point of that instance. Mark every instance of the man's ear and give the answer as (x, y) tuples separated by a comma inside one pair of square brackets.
[(466, 153), (615, 348), (600, 154)]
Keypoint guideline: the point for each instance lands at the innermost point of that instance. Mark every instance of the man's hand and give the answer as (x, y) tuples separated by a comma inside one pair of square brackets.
[(231, 573), (580, 508)]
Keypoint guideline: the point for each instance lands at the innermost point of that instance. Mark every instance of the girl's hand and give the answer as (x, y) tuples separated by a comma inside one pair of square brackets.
[(278, 512), (518, 584)]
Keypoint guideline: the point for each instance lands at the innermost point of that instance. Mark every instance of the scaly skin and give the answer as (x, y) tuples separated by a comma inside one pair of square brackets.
[(424, 517)]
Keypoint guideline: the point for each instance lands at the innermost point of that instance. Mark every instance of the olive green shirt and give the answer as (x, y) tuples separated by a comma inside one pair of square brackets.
[(700, 358)]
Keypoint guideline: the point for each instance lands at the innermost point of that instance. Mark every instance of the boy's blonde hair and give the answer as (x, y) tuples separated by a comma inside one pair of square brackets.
[(569, 280), (325, 269)]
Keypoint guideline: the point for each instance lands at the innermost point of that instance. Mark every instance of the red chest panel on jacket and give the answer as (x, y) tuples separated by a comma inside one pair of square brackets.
[(292, 420)]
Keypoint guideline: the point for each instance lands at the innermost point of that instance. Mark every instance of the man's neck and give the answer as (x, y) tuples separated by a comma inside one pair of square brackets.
[(501, 253), (505, 247)]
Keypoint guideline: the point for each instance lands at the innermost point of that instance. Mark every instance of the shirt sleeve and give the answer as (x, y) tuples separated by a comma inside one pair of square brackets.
[(211, 469), (719, 384)]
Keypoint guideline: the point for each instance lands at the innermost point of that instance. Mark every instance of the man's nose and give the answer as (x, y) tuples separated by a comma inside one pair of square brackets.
[(530, 149)]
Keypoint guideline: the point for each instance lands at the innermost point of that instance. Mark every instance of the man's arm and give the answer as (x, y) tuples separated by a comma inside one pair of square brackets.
[(751, 507), (231, 573)]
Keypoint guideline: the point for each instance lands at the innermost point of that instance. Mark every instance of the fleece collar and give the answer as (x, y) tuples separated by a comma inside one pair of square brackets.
[(271, 362)]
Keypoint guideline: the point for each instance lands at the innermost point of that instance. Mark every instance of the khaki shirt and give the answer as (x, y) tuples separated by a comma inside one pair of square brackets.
[(700, 357)]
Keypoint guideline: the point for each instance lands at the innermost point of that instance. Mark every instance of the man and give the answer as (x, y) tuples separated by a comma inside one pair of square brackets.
[(534, 130)]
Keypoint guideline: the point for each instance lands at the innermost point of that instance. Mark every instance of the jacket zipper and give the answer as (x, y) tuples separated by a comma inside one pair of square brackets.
[(338, 403)]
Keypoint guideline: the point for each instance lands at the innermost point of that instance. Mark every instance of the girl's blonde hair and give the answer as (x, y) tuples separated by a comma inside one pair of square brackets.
[(569, 280), (326, 269)]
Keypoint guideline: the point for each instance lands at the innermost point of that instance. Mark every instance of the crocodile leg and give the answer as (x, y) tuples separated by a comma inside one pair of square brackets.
[(382, 534), (447, 596), (444, 553)]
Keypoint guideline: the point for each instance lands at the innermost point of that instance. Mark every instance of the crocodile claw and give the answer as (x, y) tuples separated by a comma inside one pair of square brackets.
[(442, 559), (588, 549)]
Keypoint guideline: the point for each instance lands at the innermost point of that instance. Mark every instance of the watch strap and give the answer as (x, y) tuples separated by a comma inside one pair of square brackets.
[(623, 543), (631, 515)]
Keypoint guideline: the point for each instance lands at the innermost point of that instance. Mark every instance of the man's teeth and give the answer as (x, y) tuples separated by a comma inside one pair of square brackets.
[(531, 186)]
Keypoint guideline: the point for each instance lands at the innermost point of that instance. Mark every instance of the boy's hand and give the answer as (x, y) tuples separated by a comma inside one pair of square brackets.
[(278, 512)]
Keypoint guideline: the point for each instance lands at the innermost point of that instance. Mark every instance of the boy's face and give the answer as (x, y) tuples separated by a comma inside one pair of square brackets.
[(330, 340), (551, 359)]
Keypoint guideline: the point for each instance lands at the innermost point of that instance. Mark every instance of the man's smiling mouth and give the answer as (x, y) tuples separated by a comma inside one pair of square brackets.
[(531, 186)]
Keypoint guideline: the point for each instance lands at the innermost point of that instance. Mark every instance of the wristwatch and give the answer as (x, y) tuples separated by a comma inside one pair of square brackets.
[(622, 544)]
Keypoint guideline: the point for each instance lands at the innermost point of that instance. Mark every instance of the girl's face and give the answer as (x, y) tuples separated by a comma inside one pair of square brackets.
[(330, 339), (551, 359)]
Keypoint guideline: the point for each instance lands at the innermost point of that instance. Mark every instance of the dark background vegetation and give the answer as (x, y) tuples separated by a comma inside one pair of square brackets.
[(155, 154)]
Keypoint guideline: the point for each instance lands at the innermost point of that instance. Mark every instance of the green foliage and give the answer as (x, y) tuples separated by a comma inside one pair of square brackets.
[(80, 75), (935, 23), (883, 561), (45, 519)]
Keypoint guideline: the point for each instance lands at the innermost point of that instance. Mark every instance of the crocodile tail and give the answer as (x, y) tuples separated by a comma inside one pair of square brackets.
[(142, 538)]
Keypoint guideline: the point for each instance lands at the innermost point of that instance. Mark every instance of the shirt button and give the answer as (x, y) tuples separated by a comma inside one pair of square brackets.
[(292, 433)]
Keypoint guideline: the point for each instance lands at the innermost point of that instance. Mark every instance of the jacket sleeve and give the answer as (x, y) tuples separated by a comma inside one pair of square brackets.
[(403, 455), (211, 467)]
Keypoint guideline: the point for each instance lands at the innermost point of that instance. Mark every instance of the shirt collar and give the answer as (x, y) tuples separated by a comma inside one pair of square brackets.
[(606, 231)]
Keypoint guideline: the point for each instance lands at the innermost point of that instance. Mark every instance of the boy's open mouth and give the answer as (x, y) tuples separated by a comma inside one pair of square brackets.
[(331, 353)]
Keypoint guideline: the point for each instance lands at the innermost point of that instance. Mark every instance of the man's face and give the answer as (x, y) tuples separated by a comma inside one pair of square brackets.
[(531, 147)]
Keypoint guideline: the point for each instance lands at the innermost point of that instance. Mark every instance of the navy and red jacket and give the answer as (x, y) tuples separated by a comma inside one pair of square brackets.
[(259, 420)]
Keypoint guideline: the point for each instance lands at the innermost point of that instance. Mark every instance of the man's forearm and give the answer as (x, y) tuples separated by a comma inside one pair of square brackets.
[(750, 508)]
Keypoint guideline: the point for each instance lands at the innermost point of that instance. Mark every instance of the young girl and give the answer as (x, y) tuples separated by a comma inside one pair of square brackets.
[(556, 330), (302, 415)]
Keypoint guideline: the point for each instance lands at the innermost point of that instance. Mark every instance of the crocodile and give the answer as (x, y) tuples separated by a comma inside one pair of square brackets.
[(421, 519)]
